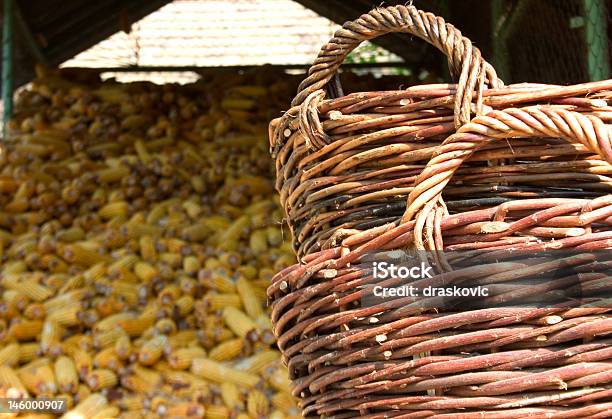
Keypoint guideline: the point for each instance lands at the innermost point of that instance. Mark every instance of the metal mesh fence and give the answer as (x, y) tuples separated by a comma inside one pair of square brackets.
[(553, 41)]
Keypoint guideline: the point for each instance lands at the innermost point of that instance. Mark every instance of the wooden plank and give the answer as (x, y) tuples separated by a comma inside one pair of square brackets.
[(196, 69)]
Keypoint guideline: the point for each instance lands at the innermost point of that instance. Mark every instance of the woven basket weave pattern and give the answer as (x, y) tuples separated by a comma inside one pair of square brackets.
[(465, 166)]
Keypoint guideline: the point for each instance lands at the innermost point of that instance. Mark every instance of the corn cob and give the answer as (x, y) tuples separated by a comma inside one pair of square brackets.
[(135, 259)]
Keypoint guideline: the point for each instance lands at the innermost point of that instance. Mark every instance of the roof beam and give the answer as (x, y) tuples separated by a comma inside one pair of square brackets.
[(28, 37), (224, 68), (87, 34), (83, 17)]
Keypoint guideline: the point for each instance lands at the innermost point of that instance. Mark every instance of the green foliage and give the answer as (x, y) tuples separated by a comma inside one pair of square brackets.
[(369, 53)]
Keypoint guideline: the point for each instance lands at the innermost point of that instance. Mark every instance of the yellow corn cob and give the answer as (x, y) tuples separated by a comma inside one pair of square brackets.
[(38, 377), (9, 354), (250, 302), (184, 305), (151, 350), (87, 408), (217, 279), (274, 235), (216, 412), (135, 230), (80, 255), (70, 298), (123, 347), (101, 378), (284, 402), (156, 213), (107, 358), (17, 205), (130, 402), (16, 299), (112, 174), (127, 262), (266, 274), (182, 338), (26, 329), (68, 400), (185, 379), (114, 209), (192, 208), (147, 248), (72, 283), (249, 90), (109, 323), (14, 267), (165, 326), (174, 260), (197, 183), (227, 350), (83, 391), (148, 374), (256, 363), (22, 248), (277, 414), (82, 359), (142, 152), (9, 380), (159, 143), (41, 415), (284, 261), (145, 271), (260, 293), (258, 242), (278, 378), (124, 274), (181, 358), (191, 265), (96, 272), (239, 323), (129, 291), (213, 263), (257, 404), (247, 271), (215, 301), (222, 127), (135, 327), (66, 374), (80, 341), (50, 338), (229, 238), (137, 384), (107, 412), (242, 104), (185, 410), (216, 372), (29, 288), (231, 396), (28, 352), (107, 338)]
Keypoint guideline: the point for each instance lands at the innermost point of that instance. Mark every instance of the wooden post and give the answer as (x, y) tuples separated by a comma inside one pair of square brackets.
[(7, 65)]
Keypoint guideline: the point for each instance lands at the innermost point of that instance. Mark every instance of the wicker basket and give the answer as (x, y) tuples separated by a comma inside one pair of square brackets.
[(461, 167)]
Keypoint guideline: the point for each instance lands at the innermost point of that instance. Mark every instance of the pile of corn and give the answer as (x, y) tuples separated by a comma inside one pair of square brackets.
[(138, 232)]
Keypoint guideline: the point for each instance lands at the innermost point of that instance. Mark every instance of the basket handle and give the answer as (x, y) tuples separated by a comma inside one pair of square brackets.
[(465, 63), (527, 122)]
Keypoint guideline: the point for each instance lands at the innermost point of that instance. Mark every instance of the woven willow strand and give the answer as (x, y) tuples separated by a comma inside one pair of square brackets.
[(533, 121), (465, 63)]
